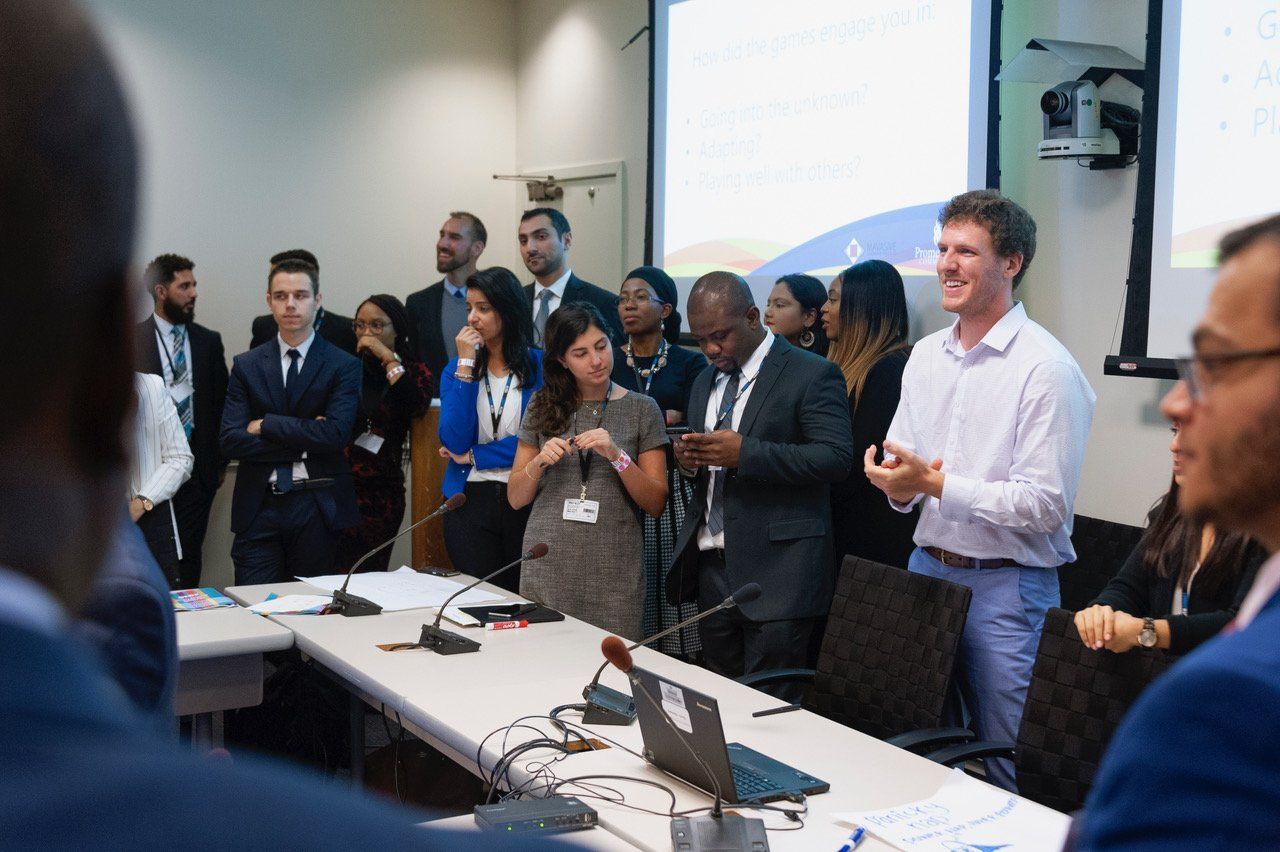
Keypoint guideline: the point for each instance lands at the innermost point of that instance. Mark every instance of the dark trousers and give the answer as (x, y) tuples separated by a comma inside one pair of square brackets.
[(157, 529), (289, 538), (734, 645), (192, 504), (486, 533)]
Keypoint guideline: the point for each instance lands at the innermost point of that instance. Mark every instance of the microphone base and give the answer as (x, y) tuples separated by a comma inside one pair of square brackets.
[(444, 642), (607, 706), (729, 832), (351, 605)]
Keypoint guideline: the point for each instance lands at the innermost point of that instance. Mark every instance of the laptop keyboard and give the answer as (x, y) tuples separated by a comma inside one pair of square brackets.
[(749, 783)]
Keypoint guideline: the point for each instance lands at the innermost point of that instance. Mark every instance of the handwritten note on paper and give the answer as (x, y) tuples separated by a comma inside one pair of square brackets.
[(965, 814), (404, 588)]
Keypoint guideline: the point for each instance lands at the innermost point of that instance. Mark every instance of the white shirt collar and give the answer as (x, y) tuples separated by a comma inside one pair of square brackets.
[(301, 347), (26, 603), (556, 286), (163, 324), (452, 290), (998, 337)]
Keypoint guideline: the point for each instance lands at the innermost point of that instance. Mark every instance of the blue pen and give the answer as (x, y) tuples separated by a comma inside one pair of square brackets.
[(854, 840)]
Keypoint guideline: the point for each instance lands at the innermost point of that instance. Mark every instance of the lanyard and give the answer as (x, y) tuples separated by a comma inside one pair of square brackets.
[(173, 374), (653, 369), (496, 415), (727, 411), (585, 456)]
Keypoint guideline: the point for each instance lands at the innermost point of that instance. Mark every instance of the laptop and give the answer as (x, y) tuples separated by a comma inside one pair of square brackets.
[(744, 774)]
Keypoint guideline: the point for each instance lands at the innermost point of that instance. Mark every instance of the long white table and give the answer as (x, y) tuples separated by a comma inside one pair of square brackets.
[(220, 663), (453, 702)]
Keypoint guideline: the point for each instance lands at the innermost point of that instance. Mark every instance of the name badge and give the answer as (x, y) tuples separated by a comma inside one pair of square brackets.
[(370, 442), (584, 511)]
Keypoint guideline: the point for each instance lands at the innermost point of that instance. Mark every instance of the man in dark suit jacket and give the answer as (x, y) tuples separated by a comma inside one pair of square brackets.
[(436, 323), (335, 328), (78, 768), (544, 244), (190, 358), (1196, 762), (291, 408), (774, 429)]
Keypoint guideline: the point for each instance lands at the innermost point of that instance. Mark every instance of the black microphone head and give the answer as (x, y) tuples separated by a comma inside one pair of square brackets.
[(538, 551), (615, 651), (455, 502), (747, 594)]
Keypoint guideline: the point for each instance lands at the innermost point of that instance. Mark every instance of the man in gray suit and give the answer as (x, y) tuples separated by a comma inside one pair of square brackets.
[(774, 433)]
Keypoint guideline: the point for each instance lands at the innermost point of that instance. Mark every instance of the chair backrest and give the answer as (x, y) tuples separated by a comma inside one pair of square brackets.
[(1101, 548), (1076, 699), (889, 650)]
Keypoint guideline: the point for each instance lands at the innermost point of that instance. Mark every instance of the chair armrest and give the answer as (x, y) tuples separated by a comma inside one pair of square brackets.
[(929, 738), (758, 679), (961, 752)]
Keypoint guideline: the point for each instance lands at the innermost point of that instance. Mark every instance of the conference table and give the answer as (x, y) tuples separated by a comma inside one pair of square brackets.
[(458, 702), (220, 663)]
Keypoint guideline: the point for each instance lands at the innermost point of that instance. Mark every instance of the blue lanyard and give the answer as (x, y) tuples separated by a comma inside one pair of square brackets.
[(496, 416), (653, 369), (727, 410)]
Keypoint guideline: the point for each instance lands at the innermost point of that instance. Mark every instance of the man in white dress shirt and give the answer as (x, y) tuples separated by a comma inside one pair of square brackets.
[(989, 436)]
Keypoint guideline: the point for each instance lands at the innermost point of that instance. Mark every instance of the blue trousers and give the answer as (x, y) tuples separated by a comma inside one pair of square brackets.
[(998, 647), (289, 538)]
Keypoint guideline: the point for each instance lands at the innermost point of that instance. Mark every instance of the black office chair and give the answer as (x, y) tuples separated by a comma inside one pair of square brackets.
[(888, 652), (1101, 548), (1075, 701)]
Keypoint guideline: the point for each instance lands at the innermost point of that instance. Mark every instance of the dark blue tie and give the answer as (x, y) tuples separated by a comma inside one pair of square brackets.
[(715, 515), (284, 473)]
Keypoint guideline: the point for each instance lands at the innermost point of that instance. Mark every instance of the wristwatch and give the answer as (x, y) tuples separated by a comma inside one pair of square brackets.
[(1147, 638), (147, 505)]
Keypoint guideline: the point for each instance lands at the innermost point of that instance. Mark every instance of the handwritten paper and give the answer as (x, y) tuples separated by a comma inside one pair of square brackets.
[(965, 814)]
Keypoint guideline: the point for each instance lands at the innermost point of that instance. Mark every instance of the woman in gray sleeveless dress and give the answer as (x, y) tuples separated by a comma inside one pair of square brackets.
[(590, 460)]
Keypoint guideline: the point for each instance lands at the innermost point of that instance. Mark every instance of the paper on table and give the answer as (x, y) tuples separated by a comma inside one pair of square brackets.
[(292, 604), (404, 588), (965, 814)]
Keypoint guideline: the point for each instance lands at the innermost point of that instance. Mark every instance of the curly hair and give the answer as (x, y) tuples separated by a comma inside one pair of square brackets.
[(1012, 229), (552, 408)]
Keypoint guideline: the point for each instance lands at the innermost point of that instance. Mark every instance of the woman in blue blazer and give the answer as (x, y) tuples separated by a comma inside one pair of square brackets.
[(483, 395)]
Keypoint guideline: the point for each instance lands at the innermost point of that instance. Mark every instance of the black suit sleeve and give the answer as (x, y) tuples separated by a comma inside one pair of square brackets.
[(235, 440), (1130, 589), (218, 386), (823, 454)]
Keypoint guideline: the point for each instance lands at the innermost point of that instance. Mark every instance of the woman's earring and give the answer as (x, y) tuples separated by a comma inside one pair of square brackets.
[(807, 339)]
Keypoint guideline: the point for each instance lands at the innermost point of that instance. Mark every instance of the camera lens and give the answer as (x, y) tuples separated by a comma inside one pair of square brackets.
[(1053, 102)]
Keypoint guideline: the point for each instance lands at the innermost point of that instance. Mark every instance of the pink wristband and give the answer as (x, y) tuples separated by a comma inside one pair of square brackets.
[(397, 370), (623, 462)]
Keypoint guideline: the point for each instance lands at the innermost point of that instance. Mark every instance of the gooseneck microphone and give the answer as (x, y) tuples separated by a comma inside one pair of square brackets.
[(352, 605), (607, 706), (715, 831), (434, 638)]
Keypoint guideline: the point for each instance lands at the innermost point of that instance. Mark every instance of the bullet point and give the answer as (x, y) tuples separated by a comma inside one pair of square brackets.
[(1222, 125), (1226, 78)]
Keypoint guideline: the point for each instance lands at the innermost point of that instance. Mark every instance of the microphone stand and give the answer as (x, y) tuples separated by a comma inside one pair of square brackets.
[(446, 642), (351, 605), (606, 705)]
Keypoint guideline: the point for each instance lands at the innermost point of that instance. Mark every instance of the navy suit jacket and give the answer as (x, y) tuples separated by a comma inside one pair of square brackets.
[(1195, 765), (777, 503), (78, 770), (329, 387)]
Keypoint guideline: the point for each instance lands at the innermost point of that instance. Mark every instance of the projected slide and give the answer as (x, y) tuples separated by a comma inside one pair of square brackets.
[(1226, 169), (804, 136)]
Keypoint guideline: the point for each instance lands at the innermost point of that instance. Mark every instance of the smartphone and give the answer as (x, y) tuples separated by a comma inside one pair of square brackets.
[(676, 431), (441, 572)]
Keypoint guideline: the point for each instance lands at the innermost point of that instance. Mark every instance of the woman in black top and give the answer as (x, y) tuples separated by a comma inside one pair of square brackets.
[(396, 388), (652, 363), (865, 318), (1186, 578)]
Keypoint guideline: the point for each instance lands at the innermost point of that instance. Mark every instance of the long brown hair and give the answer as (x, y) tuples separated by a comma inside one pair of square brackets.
[(873, 320), (553, 406), (1171, 546)]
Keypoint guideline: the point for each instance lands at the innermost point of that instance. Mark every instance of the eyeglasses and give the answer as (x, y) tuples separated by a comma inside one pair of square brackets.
[(639, 299), (1199, 372), (377, 326)]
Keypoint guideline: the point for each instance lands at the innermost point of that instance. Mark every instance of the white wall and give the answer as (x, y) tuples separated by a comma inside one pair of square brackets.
[(347, 128)]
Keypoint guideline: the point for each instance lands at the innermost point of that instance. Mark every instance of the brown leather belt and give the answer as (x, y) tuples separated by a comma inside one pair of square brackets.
[(955, 560)]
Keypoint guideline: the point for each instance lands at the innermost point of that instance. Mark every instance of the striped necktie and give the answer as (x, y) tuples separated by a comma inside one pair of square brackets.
[(180, 376)]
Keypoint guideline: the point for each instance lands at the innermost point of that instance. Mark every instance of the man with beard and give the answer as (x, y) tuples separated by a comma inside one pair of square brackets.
[(1196, 763), (190, 359), (439, 312), (334, 328), (545, 238)]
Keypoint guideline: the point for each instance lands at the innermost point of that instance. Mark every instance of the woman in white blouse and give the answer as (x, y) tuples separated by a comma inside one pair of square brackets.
[(162, 461)]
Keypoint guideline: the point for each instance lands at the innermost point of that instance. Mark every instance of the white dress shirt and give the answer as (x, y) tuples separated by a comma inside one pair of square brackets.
[(299, 468), (555, 288), (162, 458), (508, 423), (164, 345), (716, 402), (1009, 419)]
